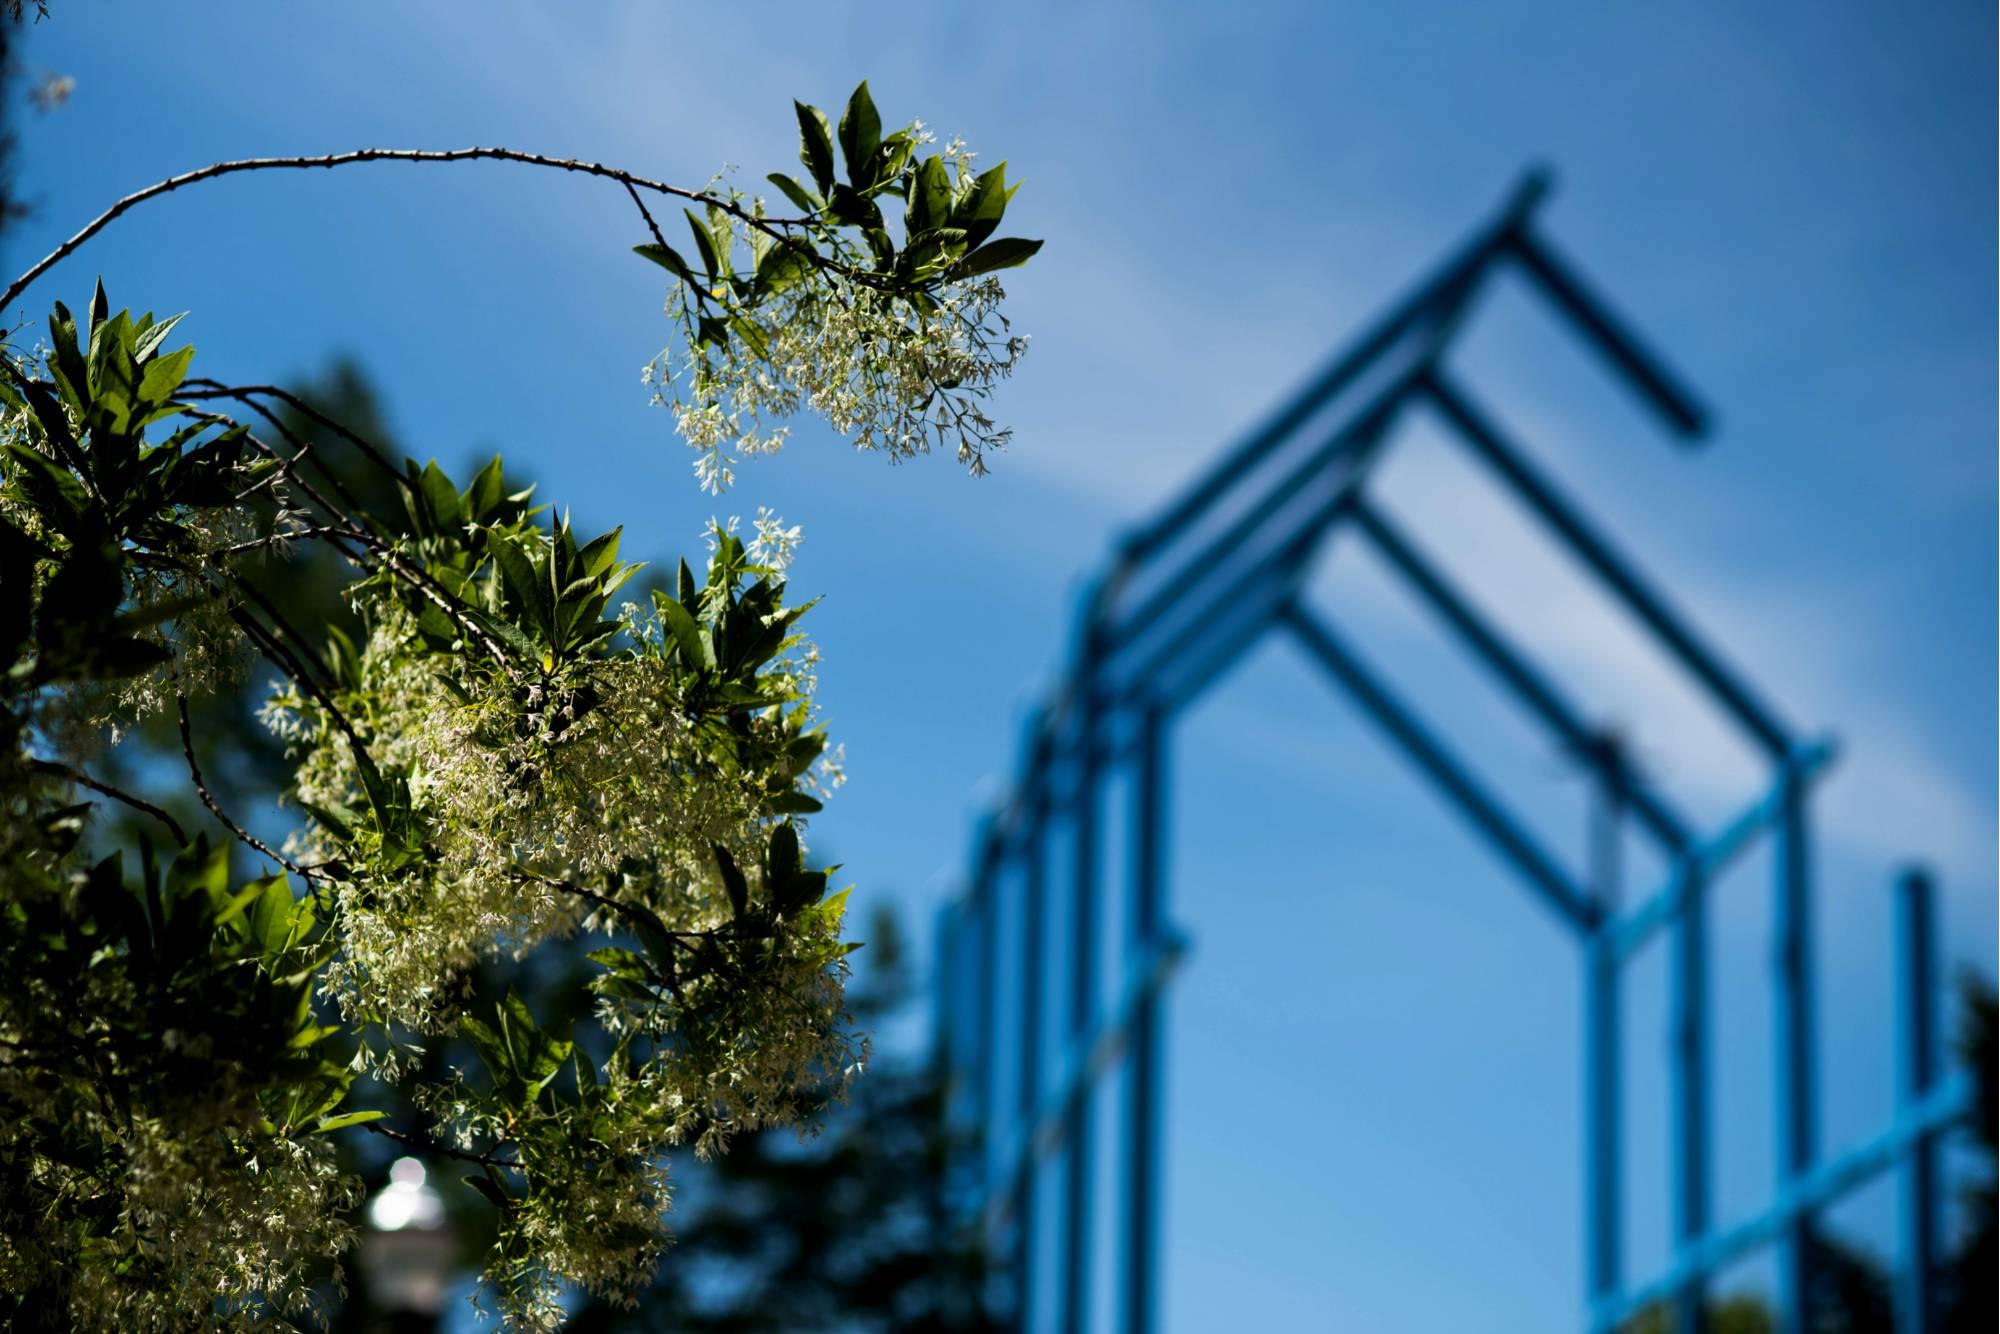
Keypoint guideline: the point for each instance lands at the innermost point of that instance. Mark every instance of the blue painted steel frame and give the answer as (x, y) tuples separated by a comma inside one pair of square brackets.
[(1185, 598)]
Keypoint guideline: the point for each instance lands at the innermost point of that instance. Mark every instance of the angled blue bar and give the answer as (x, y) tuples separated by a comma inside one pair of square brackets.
[(1501, 829), (1949, 1104), (1462, 269), (1512, 667), (1477, 429), (1355, 444), (1188, 594), (1709, 858), (1608, 334), (1044, 1129)]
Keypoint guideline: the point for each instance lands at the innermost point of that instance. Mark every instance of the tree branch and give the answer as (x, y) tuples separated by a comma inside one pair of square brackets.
[(773, 227), (201, 788), (82, 779), (429, 1145)]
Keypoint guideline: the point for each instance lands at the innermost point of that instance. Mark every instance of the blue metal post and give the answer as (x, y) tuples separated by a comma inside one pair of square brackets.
[(1077, 1176), (1143, 1138), (1690, 1047), (1034, 894), (1916, 1001), (1791, 934), (1603, 1070)]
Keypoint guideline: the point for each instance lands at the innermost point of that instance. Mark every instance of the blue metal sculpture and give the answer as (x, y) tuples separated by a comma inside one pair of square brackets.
[(1190, 593)]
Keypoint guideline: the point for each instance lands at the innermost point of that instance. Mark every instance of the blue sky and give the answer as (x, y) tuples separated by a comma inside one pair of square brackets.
[(1374, 1062)]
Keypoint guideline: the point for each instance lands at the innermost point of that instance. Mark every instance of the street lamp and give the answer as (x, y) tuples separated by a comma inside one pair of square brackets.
[(407, 1249)]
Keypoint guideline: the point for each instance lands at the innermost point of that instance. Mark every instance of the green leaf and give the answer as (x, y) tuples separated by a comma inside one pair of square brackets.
[(1005, 253), (344, 1120), (332, 823), (804, 199), (619, 960), (980, 210), (485, 494), (490, 1188), (492, 1051), (815, 145), (783, 265), (440, 495), (704, 244), (783, 860), (149, 342), (686, 632), (536, 1056), (601, 553), (733, 882), (860, 136), (794, 803), (930, 203), (752, 334), (525, 586), (669, 259), (847, 206), (163, 375)]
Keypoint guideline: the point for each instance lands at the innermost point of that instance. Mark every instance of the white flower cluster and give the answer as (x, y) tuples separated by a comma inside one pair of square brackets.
[(888, 377), (559, 805), (507, 784)]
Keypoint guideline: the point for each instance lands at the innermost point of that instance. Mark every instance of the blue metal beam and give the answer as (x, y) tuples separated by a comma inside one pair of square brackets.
[(1044, 1129), (1356, 445), (1514, 669), (1541, 870), (1451, 285), (1608, 334), (1947, 1105), (1709, 858), (1541, 495)]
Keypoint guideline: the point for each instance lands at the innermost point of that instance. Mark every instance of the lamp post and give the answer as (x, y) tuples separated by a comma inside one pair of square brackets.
[(407, 1250)]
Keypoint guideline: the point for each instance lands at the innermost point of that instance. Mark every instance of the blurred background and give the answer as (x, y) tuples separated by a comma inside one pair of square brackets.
[(1372, 1099)]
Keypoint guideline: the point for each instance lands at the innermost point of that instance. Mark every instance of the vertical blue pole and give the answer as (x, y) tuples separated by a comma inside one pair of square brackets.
[(1077, 1175), (1603, 1073), (1034, 892), (1791, 937), (1916, 1003), (1690, 1047), (1142, 1165), (944, 943), (987, 923)]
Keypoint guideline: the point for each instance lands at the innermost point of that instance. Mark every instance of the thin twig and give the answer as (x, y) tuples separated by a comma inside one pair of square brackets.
[(773, 227), (208, 800), (83, 779), (647, 214), (206, 388), (429, 1145)]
